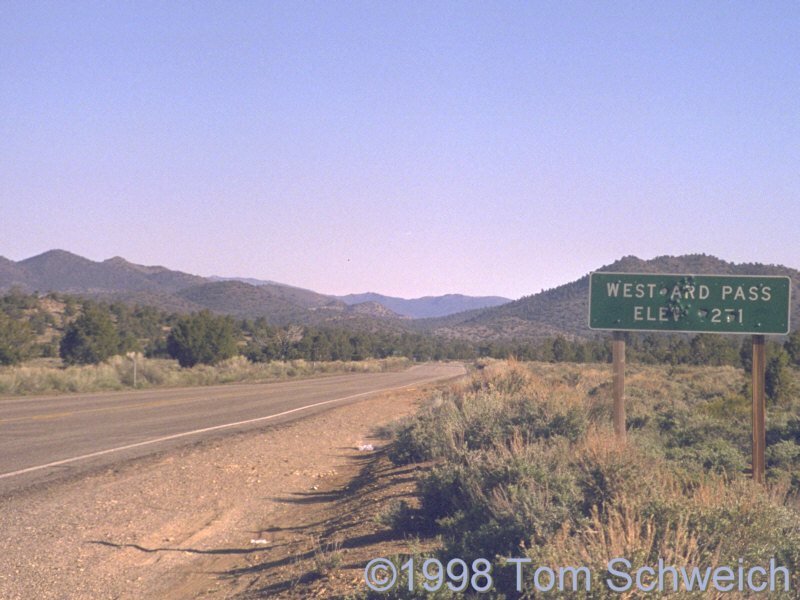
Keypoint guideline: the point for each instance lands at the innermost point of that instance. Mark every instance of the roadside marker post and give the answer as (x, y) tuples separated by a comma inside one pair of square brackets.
[(724, 304), (134, 356)]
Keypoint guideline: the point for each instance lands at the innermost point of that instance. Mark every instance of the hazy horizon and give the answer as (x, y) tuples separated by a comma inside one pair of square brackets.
[(412, 149)]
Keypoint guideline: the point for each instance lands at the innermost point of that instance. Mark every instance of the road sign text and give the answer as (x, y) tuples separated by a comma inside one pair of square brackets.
[(710, 303)]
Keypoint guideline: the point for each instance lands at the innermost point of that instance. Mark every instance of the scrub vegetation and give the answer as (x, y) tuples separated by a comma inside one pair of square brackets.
[(116, 373), (90, 338), (521, 461)]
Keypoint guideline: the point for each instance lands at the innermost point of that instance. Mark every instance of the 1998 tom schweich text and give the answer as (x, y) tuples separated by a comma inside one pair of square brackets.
[(383, 575)]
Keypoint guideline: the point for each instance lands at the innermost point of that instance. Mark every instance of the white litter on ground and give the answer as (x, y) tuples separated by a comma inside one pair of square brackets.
[(367, 447), (259, 541)]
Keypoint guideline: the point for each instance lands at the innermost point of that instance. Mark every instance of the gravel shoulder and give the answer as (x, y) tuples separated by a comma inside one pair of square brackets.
[(181, 524)]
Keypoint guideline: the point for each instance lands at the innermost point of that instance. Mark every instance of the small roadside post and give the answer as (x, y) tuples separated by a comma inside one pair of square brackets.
[(133, 356), (686, 303)]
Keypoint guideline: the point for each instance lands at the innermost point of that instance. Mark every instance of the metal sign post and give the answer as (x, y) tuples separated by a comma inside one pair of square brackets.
[(692, 303)]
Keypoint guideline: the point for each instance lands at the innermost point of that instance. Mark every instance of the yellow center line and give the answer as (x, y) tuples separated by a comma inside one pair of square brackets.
[(122, 407), (216, 427)]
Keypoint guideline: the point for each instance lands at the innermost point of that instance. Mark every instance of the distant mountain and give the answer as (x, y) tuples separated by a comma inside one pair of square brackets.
[(374, 309), (62, 271), (282, 304), (416, 308), (117, 280), (242, 300), (427, 306), (249, 280), (11, 274), (170, 303), (300, 296), (564, 309), (561, 310)]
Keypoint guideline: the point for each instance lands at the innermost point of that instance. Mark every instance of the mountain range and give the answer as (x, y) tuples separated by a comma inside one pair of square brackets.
[(416, 308), (564, 309), (118, 280), (558, 311)]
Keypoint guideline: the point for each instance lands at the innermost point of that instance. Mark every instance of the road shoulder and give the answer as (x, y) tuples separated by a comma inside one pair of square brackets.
[(181, 524)]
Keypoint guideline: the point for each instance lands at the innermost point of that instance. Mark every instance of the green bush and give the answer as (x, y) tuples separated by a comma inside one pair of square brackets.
[(202, 338), (89, 339), (713, 455), (16, 340), (783, 456)]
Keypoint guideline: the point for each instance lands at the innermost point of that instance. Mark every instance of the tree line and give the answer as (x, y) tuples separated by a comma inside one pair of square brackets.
[(86, 332)]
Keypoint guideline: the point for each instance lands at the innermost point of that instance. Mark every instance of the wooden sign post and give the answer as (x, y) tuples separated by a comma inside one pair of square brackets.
[(618, 361), (726, 304), (759, 411)]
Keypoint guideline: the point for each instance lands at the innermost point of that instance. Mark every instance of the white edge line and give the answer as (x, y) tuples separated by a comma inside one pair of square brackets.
[(206, 429)]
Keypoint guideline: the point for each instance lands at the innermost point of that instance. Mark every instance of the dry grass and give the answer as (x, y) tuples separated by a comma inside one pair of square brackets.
[(526, 463), (117, 374)]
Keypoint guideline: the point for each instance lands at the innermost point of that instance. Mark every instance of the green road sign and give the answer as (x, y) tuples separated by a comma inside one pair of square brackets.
[(690, 303)]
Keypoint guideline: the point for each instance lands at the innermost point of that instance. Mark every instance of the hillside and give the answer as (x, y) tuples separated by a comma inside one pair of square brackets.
[(242, 300), (118, 280), (561, 310), (61, 271), (300, 296), (427, 306), (374, 309), (565, 309)]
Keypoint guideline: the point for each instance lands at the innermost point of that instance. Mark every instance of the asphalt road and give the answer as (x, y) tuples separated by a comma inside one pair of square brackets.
[(49, 437)]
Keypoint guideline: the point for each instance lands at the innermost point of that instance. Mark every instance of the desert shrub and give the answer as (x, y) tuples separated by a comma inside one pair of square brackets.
[(607, 469), (502, 378), (528, 467), (495, 499), (736, 406), (425, 436), (792, 346), (714, 524), (493, 408), (401, 518), (698, 442), (783, 456), (783, 427), (713, 455)]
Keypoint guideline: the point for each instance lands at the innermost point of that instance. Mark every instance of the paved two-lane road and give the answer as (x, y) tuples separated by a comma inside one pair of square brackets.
[(46, 437)]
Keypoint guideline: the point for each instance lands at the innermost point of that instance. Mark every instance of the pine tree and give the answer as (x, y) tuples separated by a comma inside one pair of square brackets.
[(91, 338), (16, 340), (202, 338)]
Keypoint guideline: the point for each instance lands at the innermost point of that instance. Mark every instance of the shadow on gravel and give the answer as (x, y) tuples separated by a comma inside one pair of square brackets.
[(185, 550), (309, 497), (325, 555)]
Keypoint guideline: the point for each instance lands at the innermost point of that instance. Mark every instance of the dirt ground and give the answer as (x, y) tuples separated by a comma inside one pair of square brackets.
[(286, 512)]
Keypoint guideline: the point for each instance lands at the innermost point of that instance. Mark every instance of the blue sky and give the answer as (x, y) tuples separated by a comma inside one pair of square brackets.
[(407, 148)]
